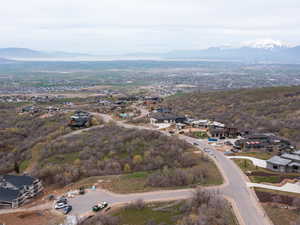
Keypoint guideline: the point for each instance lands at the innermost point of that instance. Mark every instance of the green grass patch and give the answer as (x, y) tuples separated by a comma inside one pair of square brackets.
[(24, 165), (290, 194), (137, 181), (63, 158), (262, 175), (140, 175), (141, 216), (267, 179), (258, 155)]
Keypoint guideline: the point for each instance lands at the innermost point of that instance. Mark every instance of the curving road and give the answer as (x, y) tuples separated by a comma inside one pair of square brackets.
[(243, 199)]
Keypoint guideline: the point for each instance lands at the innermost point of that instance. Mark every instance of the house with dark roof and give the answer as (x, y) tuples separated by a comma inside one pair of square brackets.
[(16, 190), (166, 118), (80, 119), (223, 132)]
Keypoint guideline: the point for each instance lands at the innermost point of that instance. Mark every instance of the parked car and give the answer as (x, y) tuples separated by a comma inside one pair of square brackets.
[(60, 205), (100, 206), (67, 209), (81, 190), (62, 200), (206, 150)]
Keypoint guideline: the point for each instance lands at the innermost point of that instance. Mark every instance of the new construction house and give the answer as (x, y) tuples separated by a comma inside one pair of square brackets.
[(287, 162), (16, 190)]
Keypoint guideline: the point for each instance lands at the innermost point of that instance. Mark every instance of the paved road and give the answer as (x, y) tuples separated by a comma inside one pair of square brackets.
[(244, 201), (248, 210), (244, 198)]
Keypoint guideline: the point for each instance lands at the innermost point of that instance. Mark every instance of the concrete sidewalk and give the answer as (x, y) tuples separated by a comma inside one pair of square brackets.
[(255, 161), (288, 187)]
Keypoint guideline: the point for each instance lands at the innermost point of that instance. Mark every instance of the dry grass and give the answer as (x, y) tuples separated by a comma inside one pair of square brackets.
[(281, 216), (31, 218)]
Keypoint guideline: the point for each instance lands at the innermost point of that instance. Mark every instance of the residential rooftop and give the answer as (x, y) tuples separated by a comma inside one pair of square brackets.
[(279, 161)]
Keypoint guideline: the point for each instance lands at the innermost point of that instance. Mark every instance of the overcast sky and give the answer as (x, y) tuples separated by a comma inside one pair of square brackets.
[(122, 26)]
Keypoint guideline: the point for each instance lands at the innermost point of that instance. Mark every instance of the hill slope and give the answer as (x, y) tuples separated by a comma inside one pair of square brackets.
[(274, 109)]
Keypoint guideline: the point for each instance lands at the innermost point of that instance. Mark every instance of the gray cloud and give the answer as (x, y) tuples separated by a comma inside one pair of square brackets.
[(141, 25)]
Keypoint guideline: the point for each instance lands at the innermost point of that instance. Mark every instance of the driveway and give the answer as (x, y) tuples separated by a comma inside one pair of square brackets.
[(83, 203), (288, 187), (256, 162)]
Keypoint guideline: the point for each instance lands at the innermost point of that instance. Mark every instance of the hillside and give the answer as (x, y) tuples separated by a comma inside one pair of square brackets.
[(115, 150), (275, 109), (19, 133)]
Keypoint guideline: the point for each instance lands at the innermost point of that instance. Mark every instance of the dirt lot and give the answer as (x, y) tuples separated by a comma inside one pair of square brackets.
[(31, 218)]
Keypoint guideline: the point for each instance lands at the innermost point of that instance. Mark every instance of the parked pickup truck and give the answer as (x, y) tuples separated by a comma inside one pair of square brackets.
[(100, 206)]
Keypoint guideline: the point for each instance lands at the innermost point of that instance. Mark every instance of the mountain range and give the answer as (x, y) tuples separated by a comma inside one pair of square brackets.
[(263, 51), (26, 53)]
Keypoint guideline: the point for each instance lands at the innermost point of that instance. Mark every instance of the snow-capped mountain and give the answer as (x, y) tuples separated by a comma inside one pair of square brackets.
[(266, 50), (266, 44)]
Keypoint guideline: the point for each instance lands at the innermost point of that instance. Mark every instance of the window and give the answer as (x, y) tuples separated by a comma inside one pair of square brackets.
[(275, 167)]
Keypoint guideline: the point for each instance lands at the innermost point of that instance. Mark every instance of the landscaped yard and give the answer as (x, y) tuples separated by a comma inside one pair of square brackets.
[(261, 175)]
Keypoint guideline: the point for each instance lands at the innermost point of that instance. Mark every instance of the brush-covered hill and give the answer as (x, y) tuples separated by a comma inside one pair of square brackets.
[(275, 109)]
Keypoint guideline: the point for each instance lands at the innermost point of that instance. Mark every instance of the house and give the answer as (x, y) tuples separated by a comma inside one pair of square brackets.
[(276, 163), (151, 100), (293, 157), (16, 190), (166, 118), (287, 162), (223, 132), (30, 109), (200, 123), (162, 110), (214, 124), (80, 119)]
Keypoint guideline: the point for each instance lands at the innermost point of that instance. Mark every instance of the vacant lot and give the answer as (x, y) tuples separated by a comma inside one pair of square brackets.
[(31, 218), (114, 150), (205, 208), (137, 182), (280, 216)]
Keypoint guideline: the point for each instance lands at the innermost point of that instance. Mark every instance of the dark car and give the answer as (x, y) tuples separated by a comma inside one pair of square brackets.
[(62, 200), (81, 190), (67, 209)]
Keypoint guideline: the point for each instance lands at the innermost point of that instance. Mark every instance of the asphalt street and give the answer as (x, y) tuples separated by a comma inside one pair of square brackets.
[(245, 204)]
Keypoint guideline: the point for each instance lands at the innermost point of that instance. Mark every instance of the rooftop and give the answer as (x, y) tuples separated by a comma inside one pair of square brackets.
[(19, 181), (291, 156), (279, 161), (166, 116), (8, 195)]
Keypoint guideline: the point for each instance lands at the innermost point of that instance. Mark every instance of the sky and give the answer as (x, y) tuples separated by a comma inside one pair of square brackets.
[(125, 26)]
